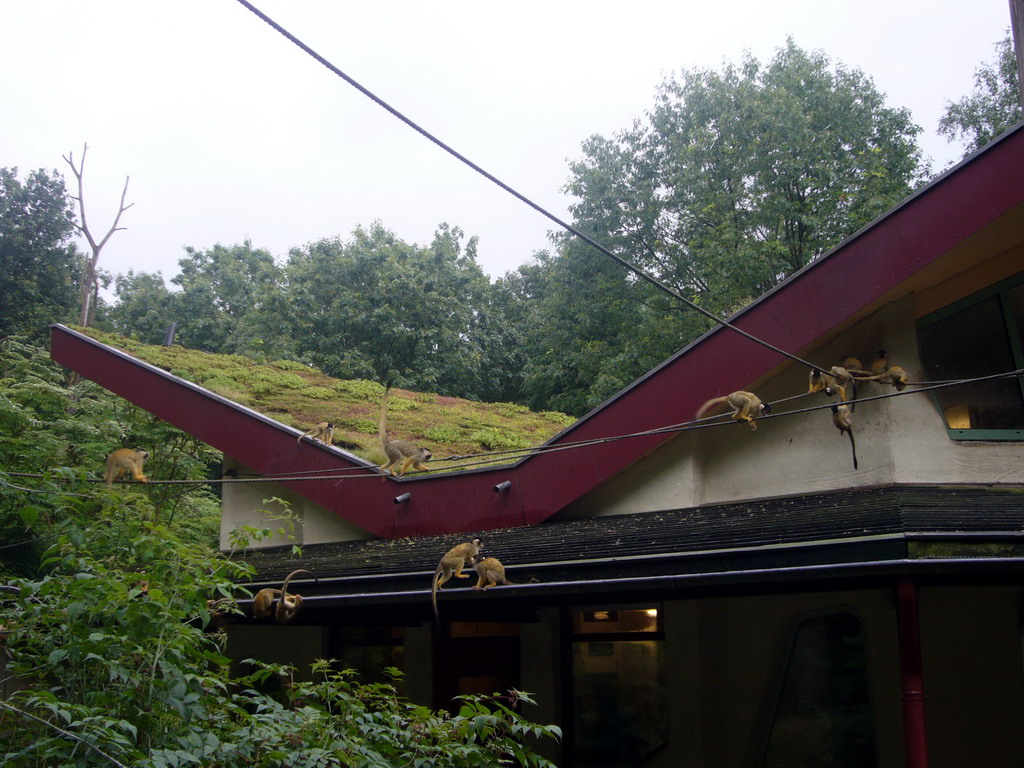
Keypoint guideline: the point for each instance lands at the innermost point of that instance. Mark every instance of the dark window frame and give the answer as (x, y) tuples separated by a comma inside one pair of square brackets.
[(779, 687), (571, 638), (1001, 291)]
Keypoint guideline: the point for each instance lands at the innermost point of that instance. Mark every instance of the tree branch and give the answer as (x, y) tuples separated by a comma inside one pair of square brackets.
[(89, 273)]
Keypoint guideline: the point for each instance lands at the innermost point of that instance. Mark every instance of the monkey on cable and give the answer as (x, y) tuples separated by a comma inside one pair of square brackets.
[(322, 432), (125, 460), (746, 406), (880, 364), (402, 455), (852, 364), (835, 381), (895, 376), (490, 573), (881, 371), (279, 602), (451, 564), (842, 417)]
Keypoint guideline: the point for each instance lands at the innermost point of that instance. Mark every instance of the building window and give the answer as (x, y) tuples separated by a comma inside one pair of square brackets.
[(619, 690), (370, 651), (477, 657), (823, 714), (978, 336)]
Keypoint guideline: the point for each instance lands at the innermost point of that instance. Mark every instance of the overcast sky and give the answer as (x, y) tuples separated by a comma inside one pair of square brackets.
[(229, 131)]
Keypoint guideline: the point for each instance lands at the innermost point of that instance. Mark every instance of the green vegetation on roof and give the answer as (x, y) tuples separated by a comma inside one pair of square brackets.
[(300, 396)]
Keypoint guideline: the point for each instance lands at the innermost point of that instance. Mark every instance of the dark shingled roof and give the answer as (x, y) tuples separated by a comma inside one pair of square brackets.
[(870, 525)]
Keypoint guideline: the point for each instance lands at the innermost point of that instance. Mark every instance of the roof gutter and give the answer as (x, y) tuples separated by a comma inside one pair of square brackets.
[(657, 586)]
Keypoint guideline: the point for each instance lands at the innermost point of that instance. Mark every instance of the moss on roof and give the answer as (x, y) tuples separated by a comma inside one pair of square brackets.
[(301, 396)]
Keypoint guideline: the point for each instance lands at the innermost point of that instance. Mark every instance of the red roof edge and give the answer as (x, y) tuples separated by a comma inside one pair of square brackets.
[(792, 316)]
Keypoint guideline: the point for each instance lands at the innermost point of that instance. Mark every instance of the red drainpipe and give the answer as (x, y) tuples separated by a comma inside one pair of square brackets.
[(911, 676)]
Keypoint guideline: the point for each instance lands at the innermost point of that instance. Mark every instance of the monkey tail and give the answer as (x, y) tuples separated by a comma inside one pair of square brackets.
[(709, 405), (853, 448), (433, 599), (383, 427), (288, 578)]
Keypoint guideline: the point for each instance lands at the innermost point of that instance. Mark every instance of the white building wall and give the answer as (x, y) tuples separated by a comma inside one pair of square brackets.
[(899, 440), (297, 521)]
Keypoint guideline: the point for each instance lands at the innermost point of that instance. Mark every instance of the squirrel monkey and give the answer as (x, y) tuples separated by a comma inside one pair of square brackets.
[(263, 605), (842, 417), (451, 564), (324, 432), (125, 460), (895, 376), (836, 380), (490, 573), (402, 455), (746, 406), (888, 374), (852, 364)]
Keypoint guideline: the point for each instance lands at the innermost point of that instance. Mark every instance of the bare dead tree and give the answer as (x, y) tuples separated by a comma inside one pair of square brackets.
[(90, 288)]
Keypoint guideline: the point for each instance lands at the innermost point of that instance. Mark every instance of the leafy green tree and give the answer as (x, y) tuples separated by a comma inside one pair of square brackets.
[(144, 307), (501, 320), (39, 265), (735, 179), (232, 300), (743, 176), (993, 105), (376, 307), (590, 331), (109, 634), (117, 664), (43, 437)]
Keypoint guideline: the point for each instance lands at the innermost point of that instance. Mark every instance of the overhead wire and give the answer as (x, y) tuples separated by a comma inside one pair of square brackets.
[(492, 457), (518, 195)]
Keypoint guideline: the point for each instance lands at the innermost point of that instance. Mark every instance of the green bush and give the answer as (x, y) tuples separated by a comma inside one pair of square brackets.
[(494, 440), (510, 409), (443, 434), (364, 426), (556, 417), (361, 388), (290, 365), (115, 667), (319, 393)]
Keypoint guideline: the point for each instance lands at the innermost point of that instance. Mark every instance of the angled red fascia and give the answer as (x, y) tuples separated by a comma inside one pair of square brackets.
[(792, 316)]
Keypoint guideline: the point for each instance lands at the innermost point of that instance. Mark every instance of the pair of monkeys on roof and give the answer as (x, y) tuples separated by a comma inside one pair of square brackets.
[(283, 605), (490, 571), (839, 379), (402, 455)]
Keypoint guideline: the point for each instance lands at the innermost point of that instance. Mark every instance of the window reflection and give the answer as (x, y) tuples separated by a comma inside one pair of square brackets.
[(823, 715), (977, 338), (619, 688)]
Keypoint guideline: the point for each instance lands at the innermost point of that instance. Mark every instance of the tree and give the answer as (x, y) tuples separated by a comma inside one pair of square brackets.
[(107, 628), (376, 307), (735, 179), (39, 264), (40, 436), (144, 308), (993, 105), (88, 284), (232, 300), (590, 330)]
